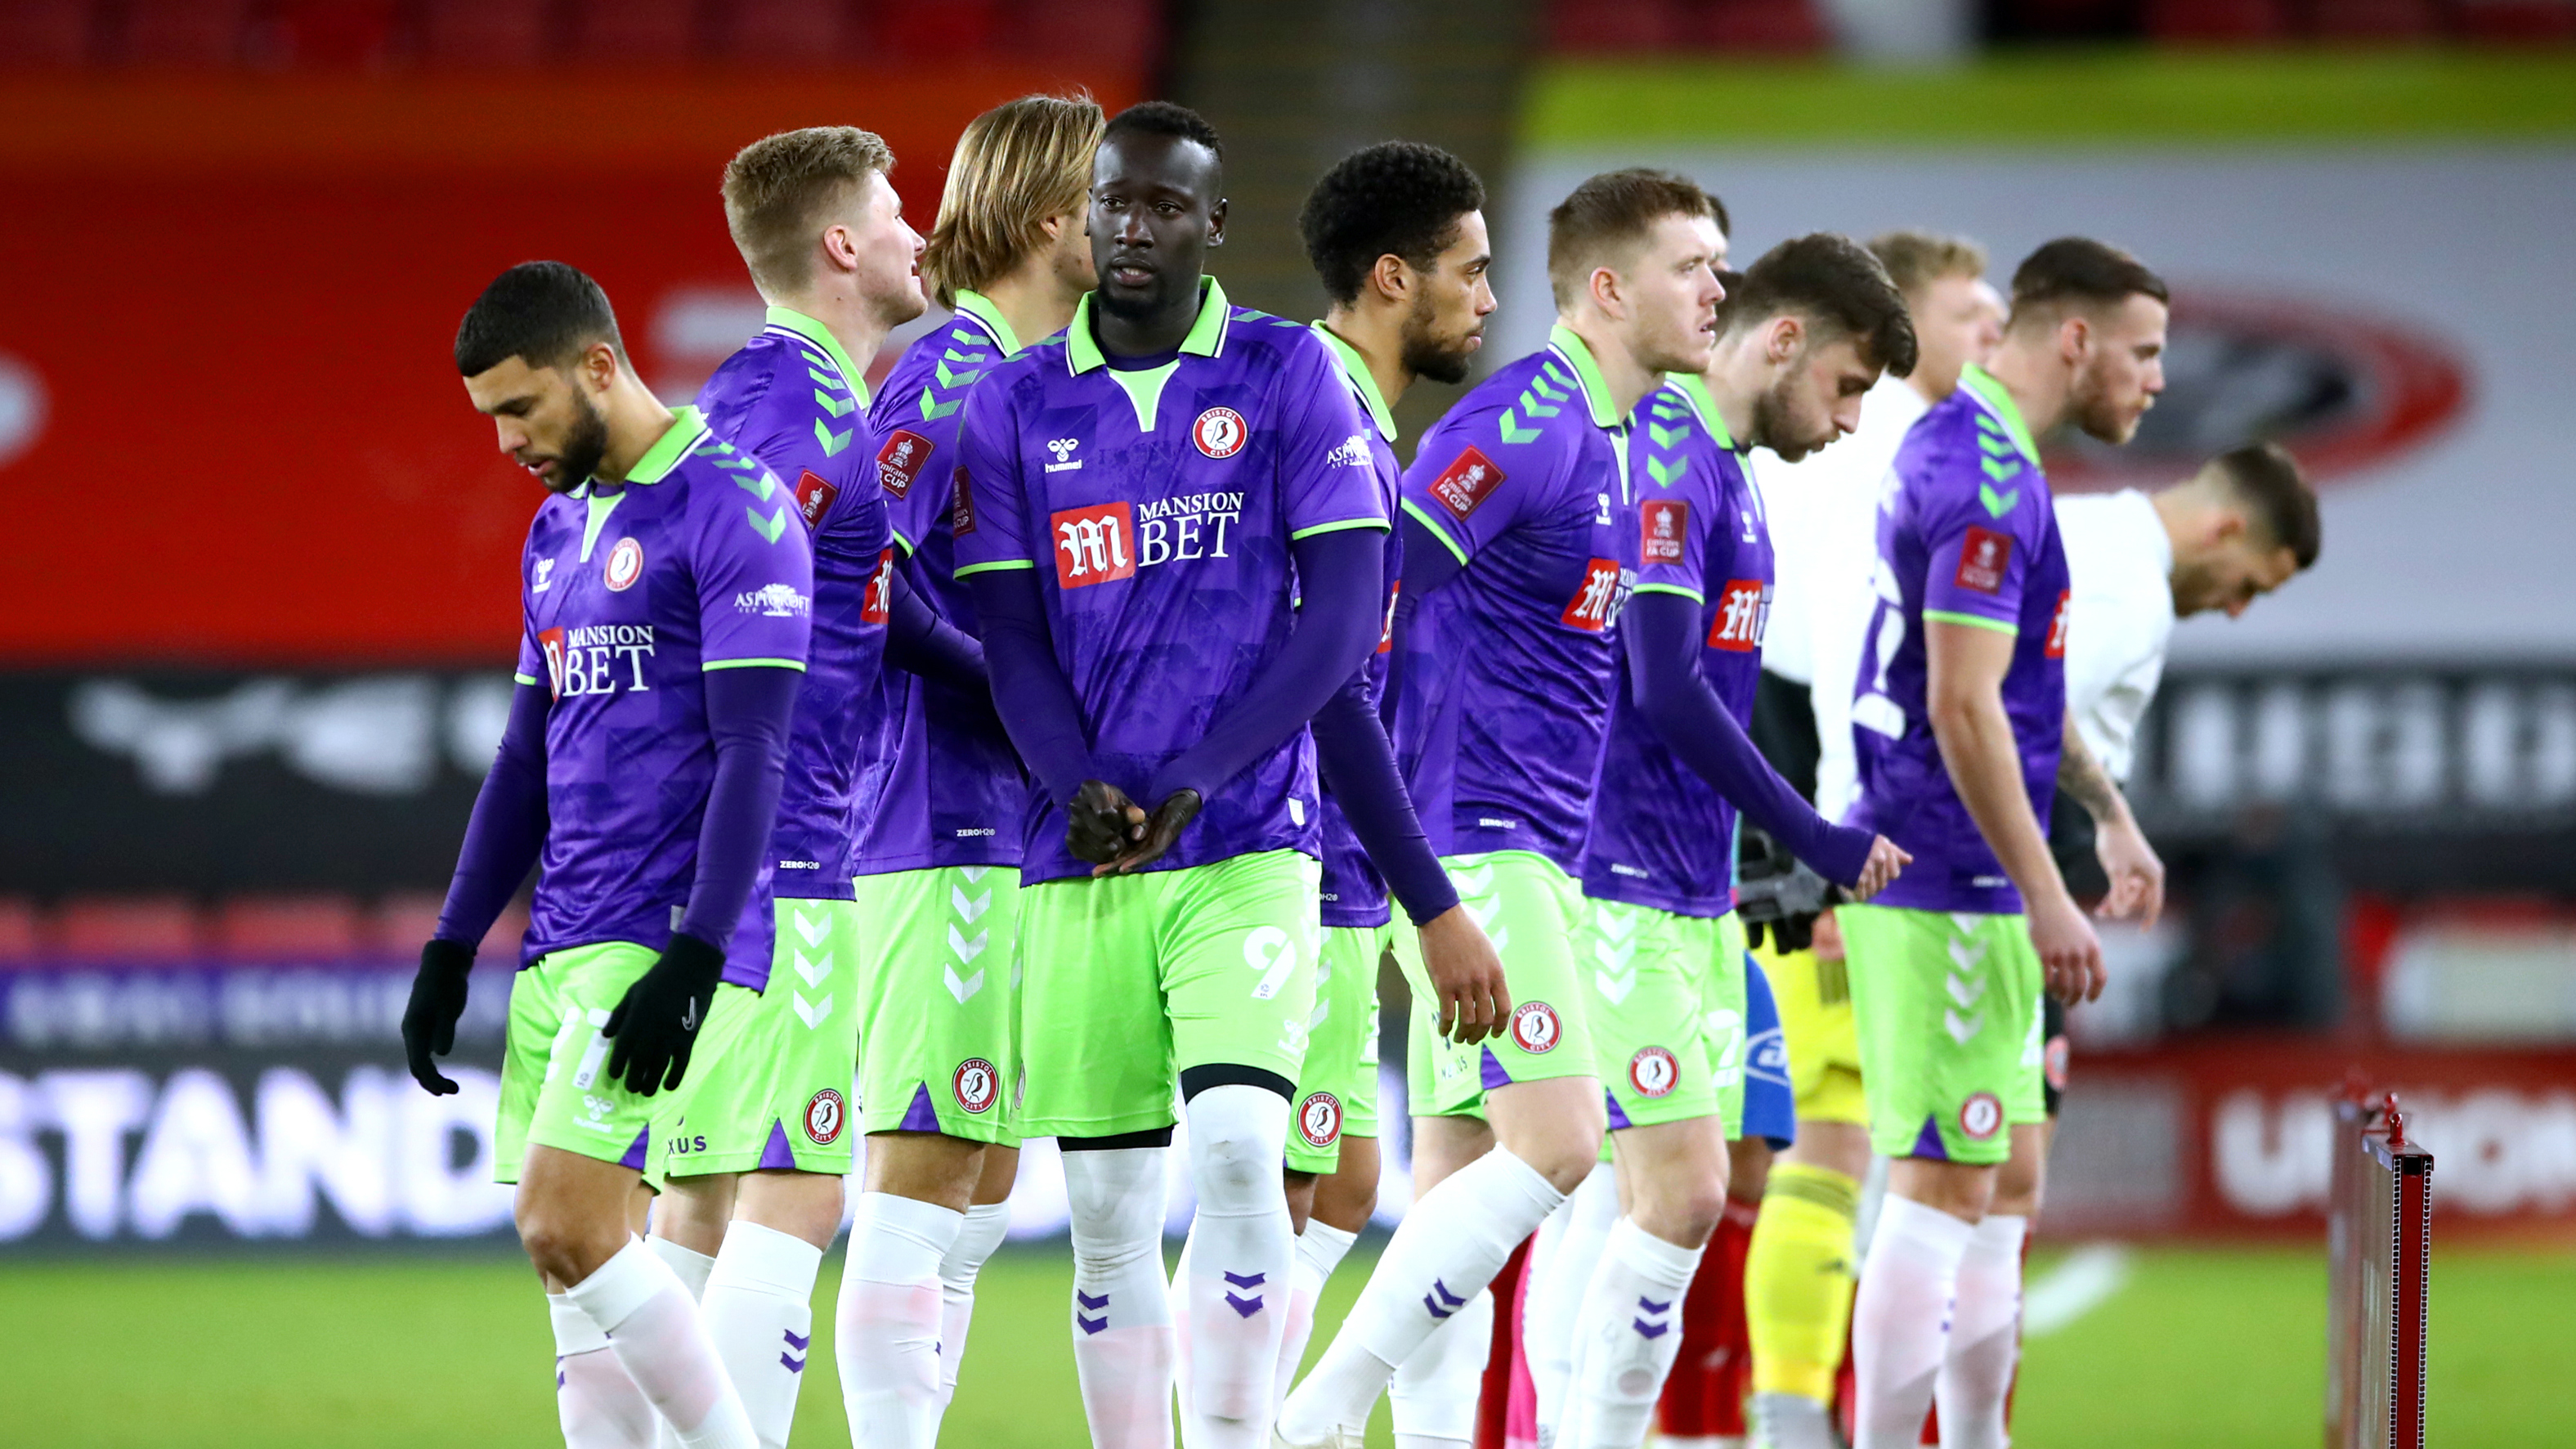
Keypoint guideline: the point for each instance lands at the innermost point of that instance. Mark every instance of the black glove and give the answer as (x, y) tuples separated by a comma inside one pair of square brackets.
[(1100, 822), (437, 1000), (655, 1026)]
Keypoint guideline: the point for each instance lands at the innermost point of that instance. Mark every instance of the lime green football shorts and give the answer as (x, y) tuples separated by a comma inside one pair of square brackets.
[(1130, 980), (939, 981), (1948, 1011), (1532, 911), (555, 1087), (1337, 1088), (778, 1097), (1666, 1012)]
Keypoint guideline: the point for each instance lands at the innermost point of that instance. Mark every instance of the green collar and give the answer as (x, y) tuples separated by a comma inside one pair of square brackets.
[(1596, 393), (981, 308), (1362, 380), (821, 336), (665, 454), (1207, 335), (2000, 402), (1694, 390)]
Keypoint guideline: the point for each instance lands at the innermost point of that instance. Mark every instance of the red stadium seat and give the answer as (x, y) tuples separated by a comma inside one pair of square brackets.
[(19, 939), (184, 32), (44, 34), (2518, 22), (1615, 25), (2218, 22), (486, 33), (265, 928), (334, 33), (790, 32), (128, 928), (944, 30), (637, 32), (1104, 32), (1770, 27), (2375, 19)]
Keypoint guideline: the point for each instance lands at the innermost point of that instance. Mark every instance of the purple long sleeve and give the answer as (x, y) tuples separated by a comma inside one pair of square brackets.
[(1662, 638), (747, 713), (1030, 692), (1339, 581), (1429, 563), (508, 827), (920, 642), (1358, 765)]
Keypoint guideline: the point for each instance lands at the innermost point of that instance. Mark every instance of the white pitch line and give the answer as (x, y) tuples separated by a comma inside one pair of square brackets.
[(2080, 1283)]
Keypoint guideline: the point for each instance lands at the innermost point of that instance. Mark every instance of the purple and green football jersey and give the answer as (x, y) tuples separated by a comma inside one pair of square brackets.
[(793, 398), (1354, 893), (1505, 693), (1157, 503), (945, 789), (1663, 836), (632, 592), (1966, 535)]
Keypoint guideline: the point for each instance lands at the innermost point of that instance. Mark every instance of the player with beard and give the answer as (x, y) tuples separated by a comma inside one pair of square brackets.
[(1173, 549), (666, 590), (1809, 329), (1519, 548), (938, 851), (1961, 726)]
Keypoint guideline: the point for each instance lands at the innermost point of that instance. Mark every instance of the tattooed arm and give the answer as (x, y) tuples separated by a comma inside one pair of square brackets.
[(2137, 875)]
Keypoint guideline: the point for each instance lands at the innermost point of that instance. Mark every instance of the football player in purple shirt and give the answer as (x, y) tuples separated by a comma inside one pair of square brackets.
[(1173, 533), (667, 589), (1519, 548), (1960, 724), (1809, 329), (938, 850)]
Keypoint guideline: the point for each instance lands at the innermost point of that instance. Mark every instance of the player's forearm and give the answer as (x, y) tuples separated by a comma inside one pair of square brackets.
[(1358, 766), (1977, 749), (507, 830), (2082, 776), (920, 642), (1030, 692), (1662, 641), (748, 714), (1339, 582)]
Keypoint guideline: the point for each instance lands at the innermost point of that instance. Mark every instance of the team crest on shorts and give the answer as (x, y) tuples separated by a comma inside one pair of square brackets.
[(976, 1084), (1535, 1028), (625, 565), (824, 1116), (1653, 1072), (2054, 1062), (1319, 1119), (1981, 1116), (1220, 432)]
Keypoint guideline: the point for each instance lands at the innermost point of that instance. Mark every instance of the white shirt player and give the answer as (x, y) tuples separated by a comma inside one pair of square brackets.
[(2120, 562), (1823, 512)]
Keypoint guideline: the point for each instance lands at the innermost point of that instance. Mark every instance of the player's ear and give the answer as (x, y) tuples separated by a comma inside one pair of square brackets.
[(1603, 285), (1216, 223), (2074, 338), (1787, 334), (597, 369), (1392, 277)]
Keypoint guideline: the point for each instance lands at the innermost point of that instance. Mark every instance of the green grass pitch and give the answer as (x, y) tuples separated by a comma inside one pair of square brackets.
[(2210, 1348)]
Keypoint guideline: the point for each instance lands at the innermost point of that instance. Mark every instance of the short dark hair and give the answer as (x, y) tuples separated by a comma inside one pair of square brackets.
[(2083, 272), (2268, 479), (1838, 287), (1616, 209), (545, 313), (1397, 197), (1163, 118)]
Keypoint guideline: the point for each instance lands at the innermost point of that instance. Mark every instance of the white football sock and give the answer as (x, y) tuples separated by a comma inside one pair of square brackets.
[(1985, 1338), (1570, 1247), (1320, 1249), (886, 1326), (1449, 1248), (1629, 1335), (645, 1310), (1434, 1394), (1793, 1421), (1901, 1319), (1194, 1435), (1242, 1249), (759, 1309), (596, 1402), (986, 1225), (691, 1267), (1122, 1321)]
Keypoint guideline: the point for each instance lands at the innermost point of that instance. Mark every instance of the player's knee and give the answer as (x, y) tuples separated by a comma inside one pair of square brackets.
[(1236, 1133), (564, 1248)]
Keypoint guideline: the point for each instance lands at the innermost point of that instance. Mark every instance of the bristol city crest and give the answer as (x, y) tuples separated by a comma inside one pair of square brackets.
[(625, 565), (1653, 1072), (1319, 1119), (824, 1116), (1220, 432), (976, 1084), (1981, 1116), (1535, 1028)]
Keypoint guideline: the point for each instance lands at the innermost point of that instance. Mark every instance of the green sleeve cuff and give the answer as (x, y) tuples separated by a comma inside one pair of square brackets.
[(1436, 530), (1694, 595), (711, 665), (1377, 523), (999, 563), (1973, 621)]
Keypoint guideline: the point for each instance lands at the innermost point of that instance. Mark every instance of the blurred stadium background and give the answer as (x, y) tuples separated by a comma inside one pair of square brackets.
[(255, 646)]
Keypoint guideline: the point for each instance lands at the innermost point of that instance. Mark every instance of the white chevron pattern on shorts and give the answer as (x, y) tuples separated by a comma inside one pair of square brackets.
[(1967, 955), (962, 990), (967, 950), (809, 927), (1473, 882), (813, 971), (1484, 920), (1962, 1028), (1964, 993), (812, 1012), (1618, 974), (966, 909)]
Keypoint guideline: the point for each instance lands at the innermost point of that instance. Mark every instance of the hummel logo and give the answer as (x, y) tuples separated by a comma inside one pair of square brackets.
[(1083, 1301), (1063, 450), (1441, 1301)]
